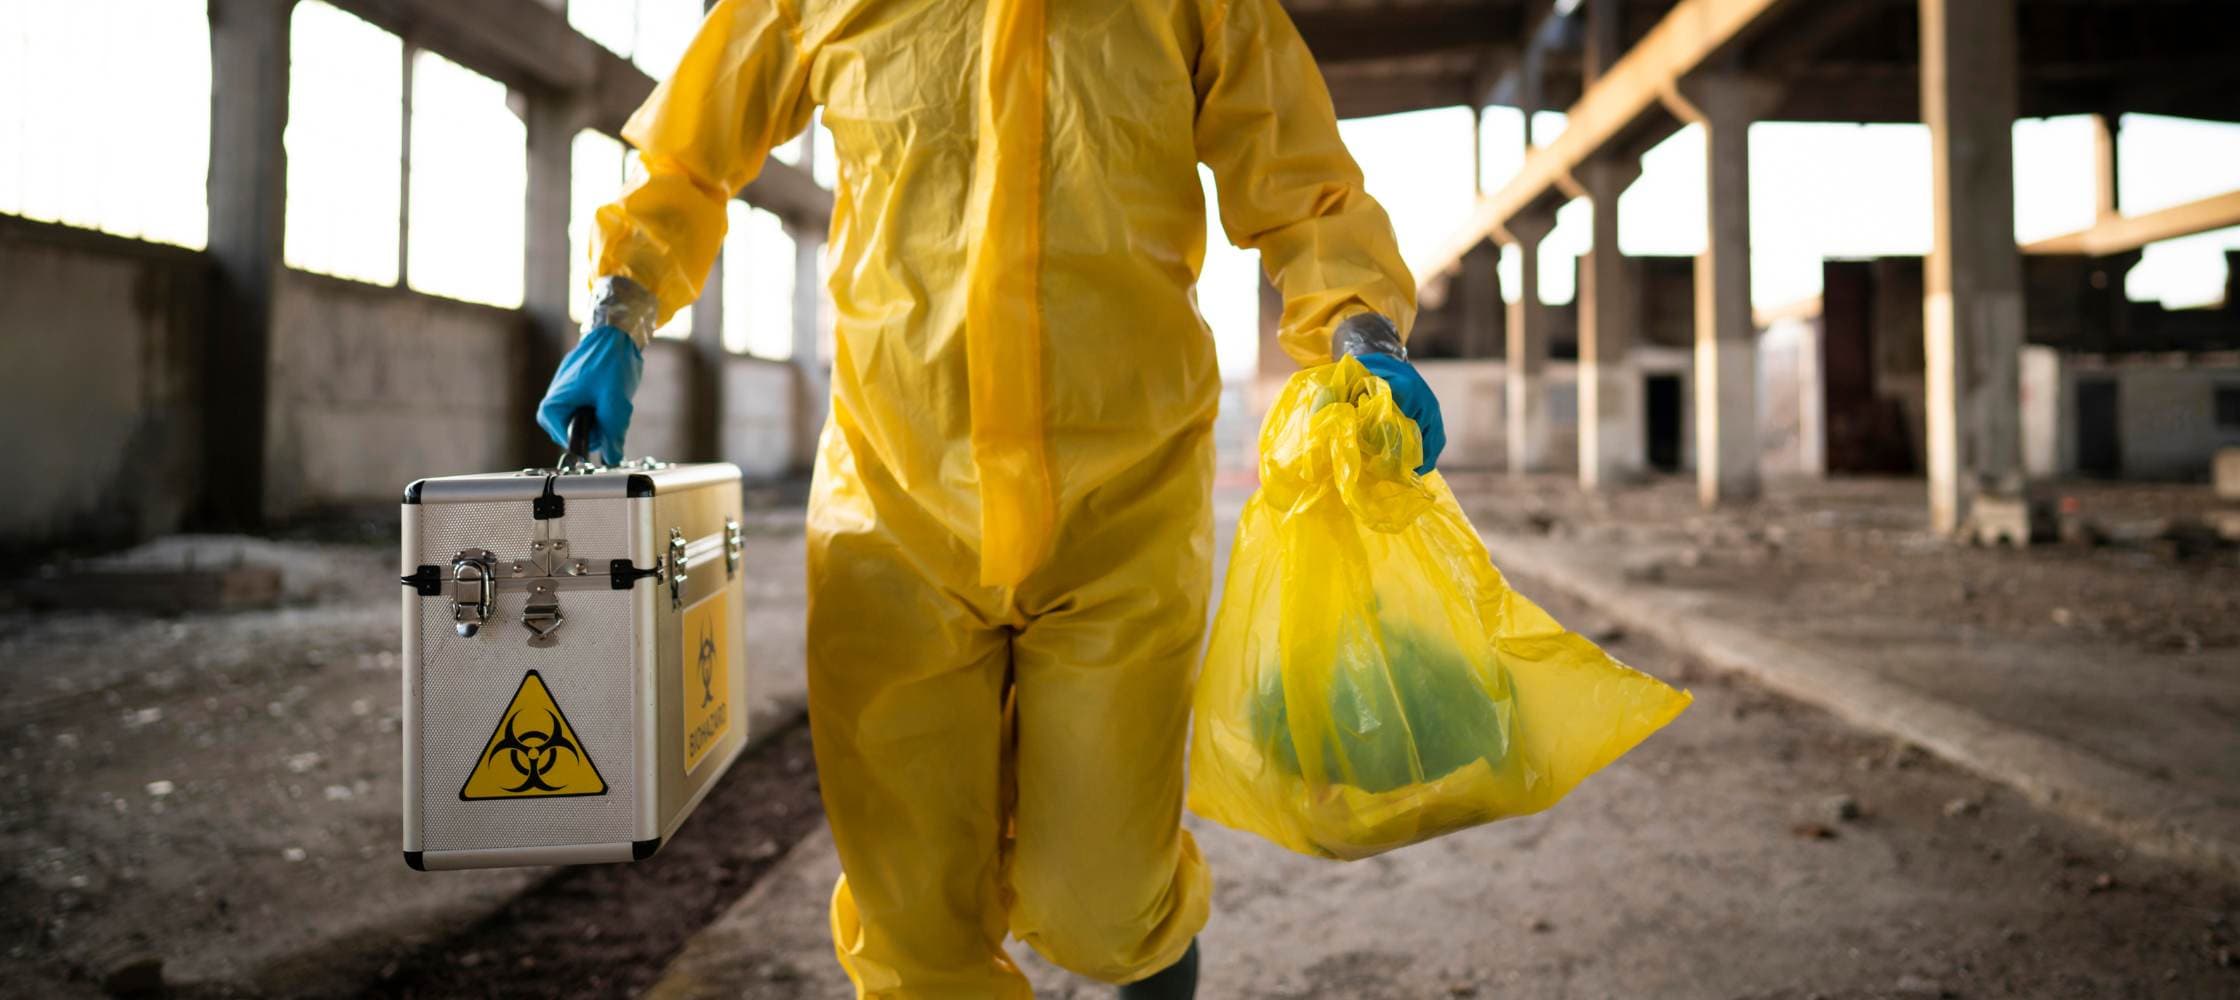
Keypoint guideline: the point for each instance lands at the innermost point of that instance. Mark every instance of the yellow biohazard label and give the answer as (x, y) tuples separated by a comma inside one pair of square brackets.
[(707, 678), (533, 753)]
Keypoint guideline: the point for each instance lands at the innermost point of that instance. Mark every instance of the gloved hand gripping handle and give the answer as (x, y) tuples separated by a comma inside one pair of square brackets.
[(581, 425)]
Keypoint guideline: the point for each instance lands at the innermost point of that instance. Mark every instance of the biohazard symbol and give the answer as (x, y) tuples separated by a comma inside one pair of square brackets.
[(707, 664), (533, 753)]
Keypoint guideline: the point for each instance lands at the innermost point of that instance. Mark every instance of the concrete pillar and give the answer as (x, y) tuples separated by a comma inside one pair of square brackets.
[(1610, 404), (1972, 326), (1726, 374), (2106, 202), (1606, 39), (552, 121), (1480, 287), (248, 203), (706, 408), (812, 387), (1525, 363)]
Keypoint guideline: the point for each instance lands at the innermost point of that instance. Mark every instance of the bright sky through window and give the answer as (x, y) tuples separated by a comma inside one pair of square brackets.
[(758, 285), (469, 184), (128, 153), (345, 141), (86, 145)]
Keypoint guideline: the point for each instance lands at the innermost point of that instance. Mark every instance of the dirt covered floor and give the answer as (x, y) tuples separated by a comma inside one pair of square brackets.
[(1756, 849), (210, 801), (2140, 575), (2124, 642)]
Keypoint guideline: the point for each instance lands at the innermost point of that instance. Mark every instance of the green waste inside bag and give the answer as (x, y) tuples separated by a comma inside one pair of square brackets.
[(1443, 718)]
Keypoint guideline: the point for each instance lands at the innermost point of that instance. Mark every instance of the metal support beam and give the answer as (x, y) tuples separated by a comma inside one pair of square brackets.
[(1524, 366), (1726, 327), (248, 204), (1972, 280), (1610, 403)]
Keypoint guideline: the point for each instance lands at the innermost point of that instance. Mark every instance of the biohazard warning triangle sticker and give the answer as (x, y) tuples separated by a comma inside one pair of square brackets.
[(533, 753)]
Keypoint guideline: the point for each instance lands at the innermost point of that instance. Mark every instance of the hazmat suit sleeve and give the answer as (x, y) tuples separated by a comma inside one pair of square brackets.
[(740, 90), (1286, 184)]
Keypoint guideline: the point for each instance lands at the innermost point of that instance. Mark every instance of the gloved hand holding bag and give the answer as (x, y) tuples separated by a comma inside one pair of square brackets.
[(1372, 681)]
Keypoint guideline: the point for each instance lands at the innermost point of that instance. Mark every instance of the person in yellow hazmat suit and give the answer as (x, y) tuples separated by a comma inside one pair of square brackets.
[(1010, 528)]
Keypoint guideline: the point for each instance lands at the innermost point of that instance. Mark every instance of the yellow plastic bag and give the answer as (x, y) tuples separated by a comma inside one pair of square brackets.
[(1371, 681)]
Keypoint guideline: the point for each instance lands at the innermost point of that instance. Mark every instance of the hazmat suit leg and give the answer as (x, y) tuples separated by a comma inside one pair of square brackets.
[(909, 658), (1105, 881), (906, 688)]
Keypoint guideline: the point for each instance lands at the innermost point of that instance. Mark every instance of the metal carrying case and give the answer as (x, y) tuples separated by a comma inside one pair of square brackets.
[(574, 660)]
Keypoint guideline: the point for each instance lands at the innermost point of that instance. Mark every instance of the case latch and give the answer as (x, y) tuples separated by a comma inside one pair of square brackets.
[(734, 543), (676, 569), (541, 615), (472, 588)]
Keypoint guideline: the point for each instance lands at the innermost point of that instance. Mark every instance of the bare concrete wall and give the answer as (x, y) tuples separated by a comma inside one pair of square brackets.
[(1471, 404), (659, 424), (100, 339), (758, 404), (2167, 419), (2165, 412), (374, 387)]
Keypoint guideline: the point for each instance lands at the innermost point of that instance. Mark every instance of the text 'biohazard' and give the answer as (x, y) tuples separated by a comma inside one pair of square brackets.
[(533, 752), (706, 680)]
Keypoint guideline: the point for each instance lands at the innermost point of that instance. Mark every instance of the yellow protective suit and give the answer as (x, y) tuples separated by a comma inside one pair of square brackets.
[(1011, 500)]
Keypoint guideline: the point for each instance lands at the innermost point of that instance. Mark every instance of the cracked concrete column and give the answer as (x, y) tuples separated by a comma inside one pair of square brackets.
[(1726, 373), (1525, 364), (1972, 281), (1610, 405)]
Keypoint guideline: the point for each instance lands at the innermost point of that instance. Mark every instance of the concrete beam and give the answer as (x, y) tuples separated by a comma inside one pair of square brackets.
[(1691, 35), (1972, 280), (2124, 233), (248, 192), (1726, 328), (1610, 403), (1524, 367)]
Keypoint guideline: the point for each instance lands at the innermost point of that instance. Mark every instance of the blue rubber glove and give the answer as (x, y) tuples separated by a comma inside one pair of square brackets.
[(602, 373), (1415, 399)]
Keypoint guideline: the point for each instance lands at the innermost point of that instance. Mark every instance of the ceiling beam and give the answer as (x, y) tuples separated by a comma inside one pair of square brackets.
[(1694, 33), (1348, 34), (2125, 233)]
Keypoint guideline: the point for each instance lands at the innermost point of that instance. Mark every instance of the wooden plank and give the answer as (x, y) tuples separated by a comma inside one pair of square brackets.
[(2130, 232), (1692, 34)]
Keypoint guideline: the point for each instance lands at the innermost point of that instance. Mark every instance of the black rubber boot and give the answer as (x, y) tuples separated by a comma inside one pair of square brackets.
[(1175, 982)]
